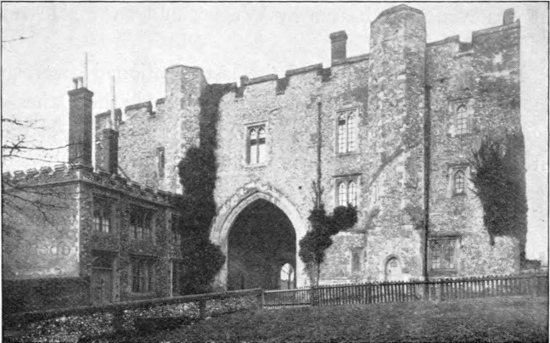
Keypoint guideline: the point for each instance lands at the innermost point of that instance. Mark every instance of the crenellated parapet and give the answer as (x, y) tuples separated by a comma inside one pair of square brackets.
[(62, 174)]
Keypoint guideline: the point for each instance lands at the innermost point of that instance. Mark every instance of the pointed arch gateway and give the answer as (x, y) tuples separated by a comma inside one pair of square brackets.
[(258, 210)]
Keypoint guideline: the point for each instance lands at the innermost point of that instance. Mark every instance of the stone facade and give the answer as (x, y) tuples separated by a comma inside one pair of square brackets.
[(395, 127), (62, 241)]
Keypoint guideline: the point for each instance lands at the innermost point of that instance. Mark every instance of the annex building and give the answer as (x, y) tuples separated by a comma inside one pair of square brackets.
[(390, 132)]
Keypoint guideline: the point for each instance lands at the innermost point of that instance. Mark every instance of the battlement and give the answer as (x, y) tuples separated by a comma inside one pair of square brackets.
[(62, 174), (281, 84)]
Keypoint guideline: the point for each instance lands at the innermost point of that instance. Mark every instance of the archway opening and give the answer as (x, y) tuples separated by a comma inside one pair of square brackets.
[(261, 241)]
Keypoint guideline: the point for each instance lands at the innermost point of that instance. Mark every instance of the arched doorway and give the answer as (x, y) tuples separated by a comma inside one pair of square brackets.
[(261, 240), (393, 269)]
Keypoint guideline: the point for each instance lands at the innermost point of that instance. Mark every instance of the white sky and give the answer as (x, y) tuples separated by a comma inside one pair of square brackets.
[(137, 41)]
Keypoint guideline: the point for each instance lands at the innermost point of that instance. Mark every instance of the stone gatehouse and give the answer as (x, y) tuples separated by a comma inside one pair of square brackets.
[(388, 130)]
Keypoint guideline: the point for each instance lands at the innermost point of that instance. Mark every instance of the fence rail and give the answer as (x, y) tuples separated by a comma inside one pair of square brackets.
[(384, 292)]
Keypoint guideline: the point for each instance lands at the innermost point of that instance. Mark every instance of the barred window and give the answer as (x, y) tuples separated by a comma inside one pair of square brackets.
[(347, 131), (458, 182), (256, 145), (141, 223), (462, 120), (142, 275), (102, 215)]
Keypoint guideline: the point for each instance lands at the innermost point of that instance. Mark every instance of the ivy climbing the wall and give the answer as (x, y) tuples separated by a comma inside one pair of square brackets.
[(500, 182), (202, 259), (319, 238)]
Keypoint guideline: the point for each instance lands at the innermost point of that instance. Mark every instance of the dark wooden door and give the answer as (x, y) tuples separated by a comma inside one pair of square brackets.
[(102, 285)]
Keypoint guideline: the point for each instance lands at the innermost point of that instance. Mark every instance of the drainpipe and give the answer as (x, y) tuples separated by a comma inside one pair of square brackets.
[(427, 164)]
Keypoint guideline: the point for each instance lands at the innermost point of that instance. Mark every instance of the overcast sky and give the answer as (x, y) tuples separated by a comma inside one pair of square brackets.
[(136, 42)]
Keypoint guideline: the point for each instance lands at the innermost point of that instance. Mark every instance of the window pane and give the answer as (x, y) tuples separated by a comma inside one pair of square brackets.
[(459, 182), (352, 132), (252, 147), (462, 121), (261, 146), (342, 134), (342, 198), (352, 193)]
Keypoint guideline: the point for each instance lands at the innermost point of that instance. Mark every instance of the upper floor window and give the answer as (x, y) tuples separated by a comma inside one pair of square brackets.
[(141, 223), (160, 162), (458, 183), (443, 254), (462, 122), (102, 215), (175, 229), (347, 192), (347, 131), (256, 147)]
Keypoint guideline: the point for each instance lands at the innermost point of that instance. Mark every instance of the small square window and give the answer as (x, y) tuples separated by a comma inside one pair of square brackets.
[(443, 254)]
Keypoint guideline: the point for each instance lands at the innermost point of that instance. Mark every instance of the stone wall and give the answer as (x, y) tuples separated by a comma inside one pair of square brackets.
[(484, 77), (387, 88)]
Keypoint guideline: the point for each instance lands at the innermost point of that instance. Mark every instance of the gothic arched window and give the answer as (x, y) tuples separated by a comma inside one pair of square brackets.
[(256, 148), (342, 194)]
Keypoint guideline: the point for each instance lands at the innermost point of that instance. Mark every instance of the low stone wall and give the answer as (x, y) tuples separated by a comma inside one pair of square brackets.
[(86, 323)]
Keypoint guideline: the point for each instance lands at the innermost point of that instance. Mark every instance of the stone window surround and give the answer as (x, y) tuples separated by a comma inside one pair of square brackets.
[(355, 131), (456, 239), (339, 179), (101, 203), (148, 264), (455, 106), (452, 170), (246, 155), (137, 208), (357, 259)]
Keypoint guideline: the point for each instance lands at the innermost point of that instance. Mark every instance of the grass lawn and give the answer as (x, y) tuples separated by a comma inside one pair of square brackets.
[(485, 320)]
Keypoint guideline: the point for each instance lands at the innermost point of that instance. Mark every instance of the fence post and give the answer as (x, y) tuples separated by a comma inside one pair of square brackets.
[(261, 298), (118, 320), (441, 290), (202, 308)]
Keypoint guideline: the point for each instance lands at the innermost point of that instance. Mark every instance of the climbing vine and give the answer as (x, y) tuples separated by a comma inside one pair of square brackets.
[(499, 179), (317, 240), (202, 259)]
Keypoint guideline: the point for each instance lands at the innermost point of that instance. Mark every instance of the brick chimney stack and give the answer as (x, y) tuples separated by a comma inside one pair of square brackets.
[(106, 152), (338, 45), (80, 124)]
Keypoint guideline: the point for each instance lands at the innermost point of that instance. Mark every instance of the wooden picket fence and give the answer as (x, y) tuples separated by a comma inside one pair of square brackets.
[(385, 292)]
